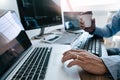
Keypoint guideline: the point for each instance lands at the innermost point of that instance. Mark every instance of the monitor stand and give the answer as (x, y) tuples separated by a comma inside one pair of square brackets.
[(41, 34)]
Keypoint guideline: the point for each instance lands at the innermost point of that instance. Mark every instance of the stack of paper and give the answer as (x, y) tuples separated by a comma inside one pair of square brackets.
[(10, 26)]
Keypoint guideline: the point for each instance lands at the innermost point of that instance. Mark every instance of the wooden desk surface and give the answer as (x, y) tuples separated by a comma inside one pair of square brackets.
[(87, 76)]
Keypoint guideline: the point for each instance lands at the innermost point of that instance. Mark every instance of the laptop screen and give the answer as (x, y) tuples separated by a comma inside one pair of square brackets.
[(71, 21), (10, 52)]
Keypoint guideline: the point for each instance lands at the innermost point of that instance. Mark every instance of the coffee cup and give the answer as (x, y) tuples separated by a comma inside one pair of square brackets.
[(86, 18)]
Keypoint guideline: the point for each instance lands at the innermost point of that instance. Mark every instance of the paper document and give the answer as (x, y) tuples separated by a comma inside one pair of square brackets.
[(9, 28)]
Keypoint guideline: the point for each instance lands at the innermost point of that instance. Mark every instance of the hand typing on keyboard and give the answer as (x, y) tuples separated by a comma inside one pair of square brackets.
[(87, 61)]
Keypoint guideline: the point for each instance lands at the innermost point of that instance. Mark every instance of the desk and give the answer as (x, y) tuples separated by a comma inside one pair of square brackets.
[(84, 75), (87, 76)]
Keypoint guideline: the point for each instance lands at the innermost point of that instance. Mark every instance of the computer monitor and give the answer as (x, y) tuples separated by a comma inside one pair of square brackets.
[(36, 14), (71, 21)]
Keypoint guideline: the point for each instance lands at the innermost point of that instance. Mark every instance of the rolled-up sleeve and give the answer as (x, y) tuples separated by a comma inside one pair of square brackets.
[(113, 65)]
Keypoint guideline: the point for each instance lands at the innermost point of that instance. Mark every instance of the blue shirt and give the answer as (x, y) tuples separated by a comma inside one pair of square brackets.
[(111, 28), (112, 62)]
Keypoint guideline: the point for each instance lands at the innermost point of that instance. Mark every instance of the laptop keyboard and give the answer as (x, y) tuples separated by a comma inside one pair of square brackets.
[(92, 44), (34, 68)]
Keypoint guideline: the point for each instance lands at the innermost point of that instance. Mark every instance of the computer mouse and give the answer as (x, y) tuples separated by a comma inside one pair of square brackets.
[(51, 38), (71, 71)]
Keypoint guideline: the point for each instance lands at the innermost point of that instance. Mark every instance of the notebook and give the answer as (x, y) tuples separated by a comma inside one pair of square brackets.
[(20, 60)]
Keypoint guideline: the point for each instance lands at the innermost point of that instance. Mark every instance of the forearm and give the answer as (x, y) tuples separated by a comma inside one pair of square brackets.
[(102, 32), (110, 29)]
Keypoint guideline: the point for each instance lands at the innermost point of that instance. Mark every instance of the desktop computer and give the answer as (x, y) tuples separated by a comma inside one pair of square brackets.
[(35, 14)]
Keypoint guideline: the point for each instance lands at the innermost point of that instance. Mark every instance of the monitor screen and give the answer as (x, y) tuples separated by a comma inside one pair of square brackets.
[(36, 14)]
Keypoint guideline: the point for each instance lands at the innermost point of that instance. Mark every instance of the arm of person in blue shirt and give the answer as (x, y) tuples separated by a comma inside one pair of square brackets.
[(110, 29), (112, 62)]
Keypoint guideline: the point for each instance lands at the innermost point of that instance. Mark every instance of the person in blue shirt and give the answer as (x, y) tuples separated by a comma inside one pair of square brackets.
[(91, 63)]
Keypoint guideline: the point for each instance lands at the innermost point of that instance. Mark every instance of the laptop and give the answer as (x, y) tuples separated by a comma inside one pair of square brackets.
[(20, 60), (71, 21)]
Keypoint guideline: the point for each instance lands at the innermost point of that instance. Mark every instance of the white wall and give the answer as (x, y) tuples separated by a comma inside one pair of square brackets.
[(83, 5), (100, 18), (9, 5)]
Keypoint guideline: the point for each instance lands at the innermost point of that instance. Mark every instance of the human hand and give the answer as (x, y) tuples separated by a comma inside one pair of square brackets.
[(82, 23), (85, 60)]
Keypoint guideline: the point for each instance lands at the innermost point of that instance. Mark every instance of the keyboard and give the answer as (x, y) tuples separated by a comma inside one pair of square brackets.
[(67, 37), (91, 44), (34, 68)]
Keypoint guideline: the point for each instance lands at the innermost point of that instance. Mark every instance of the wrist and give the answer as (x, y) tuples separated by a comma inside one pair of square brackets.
[(92, 31)]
